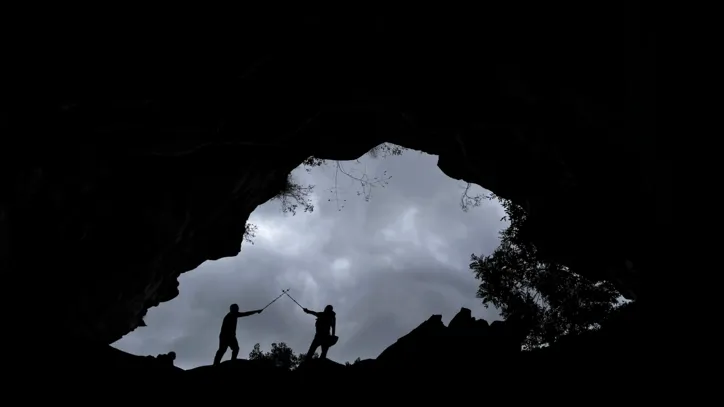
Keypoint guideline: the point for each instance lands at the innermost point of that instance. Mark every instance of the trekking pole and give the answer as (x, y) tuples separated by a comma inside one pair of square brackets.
[(295, 301), (280, 296)]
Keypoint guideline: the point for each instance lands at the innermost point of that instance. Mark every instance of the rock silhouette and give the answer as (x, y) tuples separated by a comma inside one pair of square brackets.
[(106, 200), (167, 359), (431, 354)]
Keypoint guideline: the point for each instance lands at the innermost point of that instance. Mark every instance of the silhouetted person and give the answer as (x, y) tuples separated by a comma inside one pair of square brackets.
[(227, 337), (326, 321)]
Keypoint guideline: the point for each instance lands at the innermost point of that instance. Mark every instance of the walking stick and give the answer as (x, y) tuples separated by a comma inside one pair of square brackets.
[(280, 296), (295, 301)]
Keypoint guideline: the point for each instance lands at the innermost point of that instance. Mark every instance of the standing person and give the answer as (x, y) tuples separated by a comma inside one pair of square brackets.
[(227, 337), (326, 321)]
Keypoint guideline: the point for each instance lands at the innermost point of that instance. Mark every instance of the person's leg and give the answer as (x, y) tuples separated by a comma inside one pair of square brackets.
[(234, 345), (325, 348), (222, 349), (312, 348)]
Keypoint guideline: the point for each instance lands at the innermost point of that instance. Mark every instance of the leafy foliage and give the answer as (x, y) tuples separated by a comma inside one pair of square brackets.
[(294, 195), (385, 150), (312, 162), (250, 232), (282, 355), (514, 279)]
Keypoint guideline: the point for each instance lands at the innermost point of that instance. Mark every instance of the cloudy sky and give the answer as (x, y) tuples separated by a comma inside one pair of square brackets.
[(386, 265)]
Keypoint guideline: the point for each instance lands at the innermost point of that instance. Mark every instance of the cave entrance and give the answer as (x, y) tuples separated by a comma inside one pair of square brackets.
[(386, 238)]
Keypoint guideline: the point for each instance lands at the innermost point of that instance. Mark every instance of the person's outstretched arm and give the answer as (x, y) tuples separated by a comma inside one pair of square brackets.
[(310, 312), (246, 314)]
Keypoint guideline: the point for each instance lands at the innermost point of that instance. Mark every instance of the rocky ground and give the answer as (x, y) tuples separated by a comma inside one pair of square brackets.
[(467, 352)]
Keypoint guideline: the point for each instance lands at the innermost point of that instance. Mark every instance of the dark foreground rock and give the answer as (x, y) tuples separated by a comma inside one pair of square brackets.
[(467, 352), (106, 200)]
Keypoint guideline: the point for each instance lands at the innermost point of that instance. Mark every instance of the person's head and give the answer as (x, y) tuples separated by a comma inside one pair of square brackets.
[(234, 308), (328, 309), (172, 355)]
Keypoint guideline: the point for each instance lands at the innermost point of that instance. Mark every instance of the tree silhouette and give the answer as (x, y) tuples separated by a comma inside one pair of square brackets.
[(294, 195), (280, 354), (353, 363), (561, 302), (283, 356), (250, 232)]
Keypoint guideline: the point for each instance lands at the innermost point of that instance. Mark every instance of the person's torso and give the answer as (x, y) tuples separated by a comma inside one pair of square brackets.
[(228, 327), (324, 323)]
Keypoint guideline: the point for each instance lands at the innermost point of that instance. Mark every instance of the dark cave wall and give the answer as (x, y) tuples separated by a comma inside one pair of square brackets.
[(104, 203)]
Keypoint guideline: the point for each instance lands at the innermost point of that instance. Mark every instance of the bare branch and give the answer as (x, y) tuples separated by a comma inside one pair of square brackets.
[(294, 194), (467, 201), (366, 184)]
